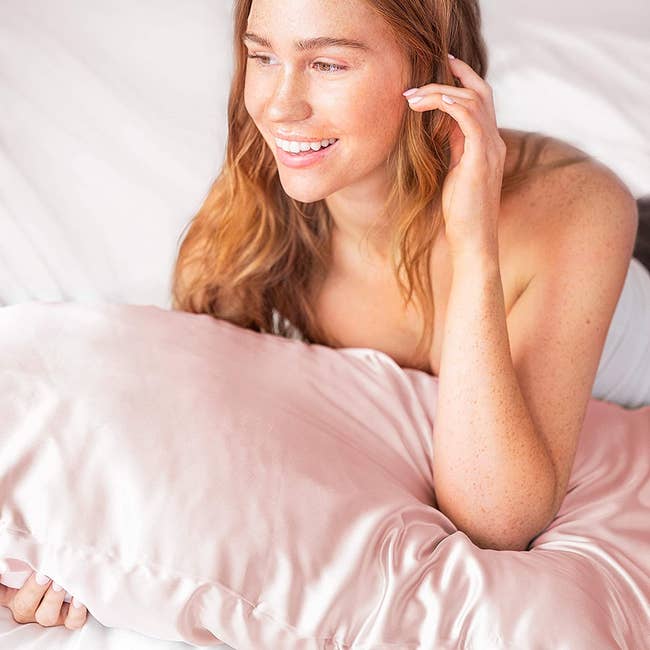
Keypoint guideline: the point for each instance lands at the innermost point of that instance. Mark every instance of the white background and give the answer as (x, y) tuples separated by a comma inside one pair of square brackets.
[(112, 124)]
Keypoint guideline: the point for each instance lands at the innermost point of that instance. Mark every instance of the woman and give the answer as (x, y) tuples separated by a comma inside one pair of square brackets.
[(516, 262), (411, 224)]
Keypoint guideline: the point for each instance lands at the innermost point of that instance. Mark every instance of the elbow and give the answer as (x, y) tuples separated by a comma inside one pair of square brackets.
[(518, 526), (518, 510), (502, 541), (512, 539)]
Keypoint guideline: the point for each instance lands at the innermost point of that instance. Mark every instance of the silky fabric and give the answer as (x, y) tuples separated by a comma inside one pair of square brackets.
[(623, 374), (192, 480)]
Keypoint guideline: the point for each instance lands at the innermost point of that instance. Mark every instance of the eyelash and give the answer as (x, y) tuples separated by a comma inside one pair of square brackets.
[(340, 68)]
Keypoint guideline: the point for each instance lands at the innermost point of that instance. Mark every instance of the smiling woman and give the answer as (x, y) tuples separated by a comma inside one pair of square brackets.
[(268, 235), (472, 238)]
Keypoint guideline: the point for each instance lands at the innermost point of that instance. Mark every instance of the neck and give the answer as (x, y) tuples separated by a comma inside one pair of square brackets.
[(360, 222)]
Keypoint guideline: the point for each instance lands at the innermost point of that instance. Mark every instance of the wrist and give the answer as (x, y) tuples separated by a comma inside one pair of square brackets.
[(476, 256)]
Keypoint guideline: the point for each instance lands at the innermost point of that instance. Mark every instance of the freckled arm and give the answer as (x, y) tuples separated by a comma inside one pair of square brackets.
[(494, 475)]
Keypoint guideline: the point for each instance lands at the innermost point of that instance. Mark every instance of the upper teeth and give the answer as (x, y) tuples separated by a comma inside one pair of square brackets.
[(297, 147)]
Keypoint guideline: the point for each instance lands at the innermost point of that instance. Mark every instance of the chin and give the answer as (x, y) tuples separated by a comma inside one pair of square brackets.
[(305, 194)]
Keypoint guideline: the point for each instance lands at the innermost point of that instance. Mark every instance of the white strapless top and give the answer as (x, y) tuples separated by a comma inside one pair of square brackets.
[(623, 374)]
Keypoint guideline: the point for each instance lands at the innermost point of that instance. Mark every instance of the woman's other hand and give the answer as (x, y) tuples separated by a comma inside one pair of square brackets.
[(42, 603)]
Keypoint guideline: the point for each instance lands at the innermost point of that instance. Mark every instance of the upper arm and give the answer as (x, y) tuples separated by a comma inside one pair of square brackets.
[(558, 326)]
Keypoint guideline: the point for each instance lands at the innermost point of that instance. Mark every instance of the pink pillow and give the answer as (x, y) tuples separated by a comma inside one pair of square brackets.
[(191, 480)]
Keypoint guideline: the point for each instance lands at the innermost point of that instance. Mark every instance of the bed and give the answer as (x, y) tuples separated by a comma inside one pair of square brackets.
[(113, 126)]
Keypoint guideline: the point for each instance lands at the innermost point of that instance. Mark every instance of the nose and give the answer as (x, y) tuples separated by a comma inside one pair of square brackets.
[(288, 101)]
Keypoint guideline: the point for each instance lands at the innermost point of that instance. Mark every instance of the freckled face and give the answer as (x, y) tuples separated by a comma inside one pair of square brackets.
[(331, 92)]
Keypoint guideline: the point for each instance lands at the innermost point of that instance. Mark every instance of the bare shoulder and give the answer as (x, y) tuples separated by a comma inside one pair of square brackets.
[(583, 202), (561, 166)]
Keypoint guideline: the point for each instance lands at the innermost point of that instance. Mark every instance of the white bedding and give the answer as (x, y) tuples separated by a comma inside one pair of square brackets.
[(578, 70), (113, 126), (92, 636)]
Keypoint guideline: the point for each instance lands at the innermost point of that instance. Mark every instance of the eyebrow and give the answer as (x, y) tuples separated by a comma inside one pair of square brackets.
[(308, 44)]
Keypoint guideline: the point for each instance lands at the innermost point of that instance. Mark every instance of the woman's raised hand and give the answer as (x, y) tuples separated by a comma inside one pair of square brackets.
[(471, 193), (40, 600)]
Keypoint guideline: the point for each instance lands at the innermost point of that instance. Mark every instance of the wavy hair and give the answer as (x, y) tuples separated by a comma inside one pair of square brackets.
[(256, 257)]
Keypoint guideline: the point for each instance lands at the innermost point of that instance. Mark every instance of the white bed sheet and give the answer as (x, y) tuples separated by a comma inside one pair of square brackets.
[(579, 71), (92, 636), (111, 130)]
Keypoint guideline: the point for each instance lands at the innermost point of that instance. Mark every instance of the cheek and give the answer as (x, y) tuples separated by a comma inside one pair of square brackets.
[(377, 118), (254, 93)]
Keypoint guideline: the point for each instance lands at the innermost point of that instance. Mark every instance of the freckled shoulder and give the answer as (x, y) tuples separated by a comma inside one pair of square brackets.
[(536, 212), (552, 186), (552, 151)]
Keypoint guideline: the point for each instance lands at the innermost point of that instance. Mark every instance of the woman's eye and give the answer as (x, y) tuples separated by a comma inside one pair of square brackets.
[(330, 67), (259, 59)]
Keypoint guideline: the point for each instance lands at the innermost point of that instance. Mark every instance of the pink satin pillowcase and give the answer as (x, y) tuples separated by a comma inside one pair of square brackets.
[(192, 480)]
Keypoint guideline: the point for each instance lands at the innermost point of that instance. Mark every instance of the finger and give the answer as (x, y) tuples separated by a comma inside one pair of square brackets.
[(471, 111), (436, 101), (470, 121), (453, 91), (475, 106), (470, 78), (6, 595), (29, 597), (49, 612), (76, 614)]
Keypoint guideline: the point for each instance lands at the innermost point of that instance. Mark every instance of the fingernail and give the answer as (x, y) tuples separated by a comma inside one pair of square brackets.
[(414, 100), (76, 604), (451, 56), (409, 92), (42, 579), (448, 100), (56, 587)]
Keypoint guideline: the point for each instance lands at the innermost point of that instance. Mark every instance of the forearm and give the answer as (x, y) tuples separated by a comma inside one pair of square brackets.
[(494, 477)]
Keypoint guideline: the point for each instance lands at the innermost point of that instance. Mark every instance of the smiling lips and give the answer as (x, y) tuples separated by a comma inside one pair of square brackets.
[(301, 159), (297, 147)]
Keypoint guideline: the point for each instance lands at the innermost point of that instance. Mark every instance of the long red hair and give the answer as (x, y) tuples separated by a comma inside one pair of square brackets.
[(256, 257)]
